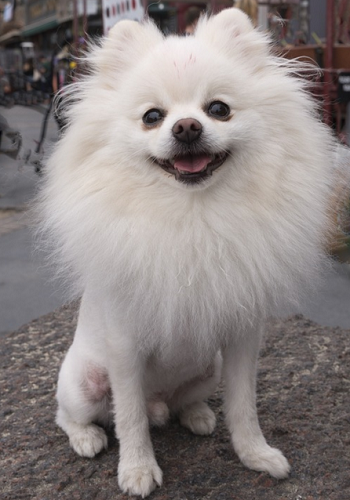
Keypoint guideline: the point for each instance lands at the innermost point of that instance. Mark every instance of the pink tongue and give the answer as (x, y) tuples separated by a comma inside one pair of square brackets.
[(192, 163)]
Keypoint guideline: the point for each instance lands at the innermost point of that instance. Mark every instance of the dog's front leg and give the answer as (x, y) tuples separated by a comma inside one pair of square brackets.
[(138, 471), (240, 364)]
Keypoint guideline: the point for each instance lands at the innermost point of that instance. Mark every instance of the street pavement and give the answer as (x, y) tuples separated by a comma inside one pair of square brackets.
[(26, 288)]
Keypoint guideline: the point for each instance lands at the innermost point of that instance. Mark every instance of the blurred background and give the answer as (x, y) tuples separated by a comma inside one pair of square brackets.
[(39, 44)]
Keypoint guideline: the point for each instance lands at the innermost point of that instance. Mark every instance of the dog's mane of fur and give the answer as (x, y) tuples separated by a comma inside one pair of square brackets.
[(178, 260)]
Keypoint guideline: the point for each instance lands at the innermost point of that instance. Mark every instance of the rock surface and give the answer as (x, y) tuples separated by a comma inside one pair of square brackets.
[(303, 404)]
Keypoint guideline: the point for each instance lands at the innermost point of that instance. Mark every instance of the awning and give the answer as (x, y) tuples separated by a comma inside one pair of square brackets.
[(10, 34), (39, 27)]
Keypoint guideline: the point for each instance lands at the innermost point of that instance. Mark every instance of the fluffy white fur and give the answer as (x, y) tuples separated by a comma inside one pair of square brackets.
[(172, 275)]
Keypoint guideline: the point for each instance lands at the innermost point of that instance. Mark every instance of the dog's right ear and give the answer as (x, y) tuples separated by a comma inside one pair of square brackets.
[(127, 42)]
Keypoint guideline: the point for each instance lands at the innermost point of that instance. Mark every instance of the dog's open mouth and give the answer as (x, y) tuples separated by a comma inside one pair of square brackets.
[(192, 168)]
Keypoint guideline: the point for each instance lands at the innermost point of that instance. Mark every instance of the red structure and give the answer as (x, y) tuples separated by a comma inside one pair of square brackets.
[(337, 61), (333, 56)]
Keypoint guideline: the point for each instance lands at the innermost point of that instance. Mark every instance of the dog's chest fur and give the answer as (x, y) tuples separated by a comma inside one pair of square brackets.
[(193, 282)]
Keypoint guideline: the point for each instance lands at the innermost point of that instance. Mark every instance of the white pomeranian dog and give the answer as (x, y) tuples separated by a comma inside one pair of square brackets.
[(188, 200)]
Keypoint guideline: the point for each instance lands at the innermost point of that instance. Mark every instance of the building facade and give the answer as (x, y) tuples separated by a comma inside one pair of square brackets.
[(47, 23)]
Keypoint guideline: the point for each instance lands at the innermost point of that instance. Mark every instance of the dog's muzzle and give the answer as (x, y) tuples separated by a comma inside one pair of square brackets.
[(191, 162)]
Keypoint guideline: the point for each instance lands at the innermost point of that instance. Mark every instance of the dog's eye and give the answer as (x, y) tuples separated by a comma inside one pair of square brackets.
[(153, 117), (218, 110)]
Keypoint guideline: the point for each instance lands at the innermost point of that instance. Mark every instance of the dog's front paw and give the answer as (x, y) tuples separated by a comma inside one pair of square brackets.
[(140, 480), (198, 418), (88, 440), (266, 459)]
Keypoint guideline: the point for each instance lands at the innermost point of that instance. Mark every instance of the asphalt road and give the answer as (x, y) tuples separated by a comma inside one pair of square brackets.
[(26, 289)]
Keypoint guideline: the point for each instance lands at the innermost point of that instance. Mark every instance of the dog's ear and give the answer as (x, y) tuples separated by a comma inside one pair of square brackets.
[(230, 22), (127, 33), (231, 30), (126, 43)]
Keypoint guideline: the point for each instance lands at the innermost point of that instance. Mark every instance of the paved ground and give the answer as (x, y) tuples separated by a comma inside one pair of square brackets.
[(25, 288), (303, 406)]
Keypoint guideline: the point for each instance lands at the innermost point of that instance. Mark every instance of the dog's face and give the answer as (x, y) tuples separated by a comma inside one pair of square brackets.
[(185, 110), (184, 125), (186, 144)]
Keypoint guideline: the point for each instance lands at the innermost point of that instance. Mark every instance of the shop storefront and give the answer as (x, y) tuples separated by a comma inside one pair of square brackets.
[(50, 22), (42, 24), (11, 22)]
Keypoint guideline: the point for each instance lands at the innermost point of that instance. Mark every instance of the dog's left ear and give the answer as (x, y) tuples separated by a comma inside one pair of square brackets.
[(231, 30), (229, 22)]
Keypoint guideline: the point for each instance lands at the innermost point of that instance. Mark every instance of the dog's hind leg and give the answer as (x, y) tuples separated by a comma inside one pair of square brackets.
[(83, 397), (189, 400)]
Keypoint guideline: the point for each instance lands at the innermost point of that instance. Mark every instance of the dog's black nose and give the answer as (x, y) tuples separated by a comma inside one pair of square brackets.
[(187, 130)]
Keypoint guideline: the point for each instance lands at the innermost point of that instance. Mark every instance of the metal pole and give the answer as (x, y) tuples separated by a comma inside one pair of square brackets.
[(75, 25), (85, 18), (327, 108), (145, 6)]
